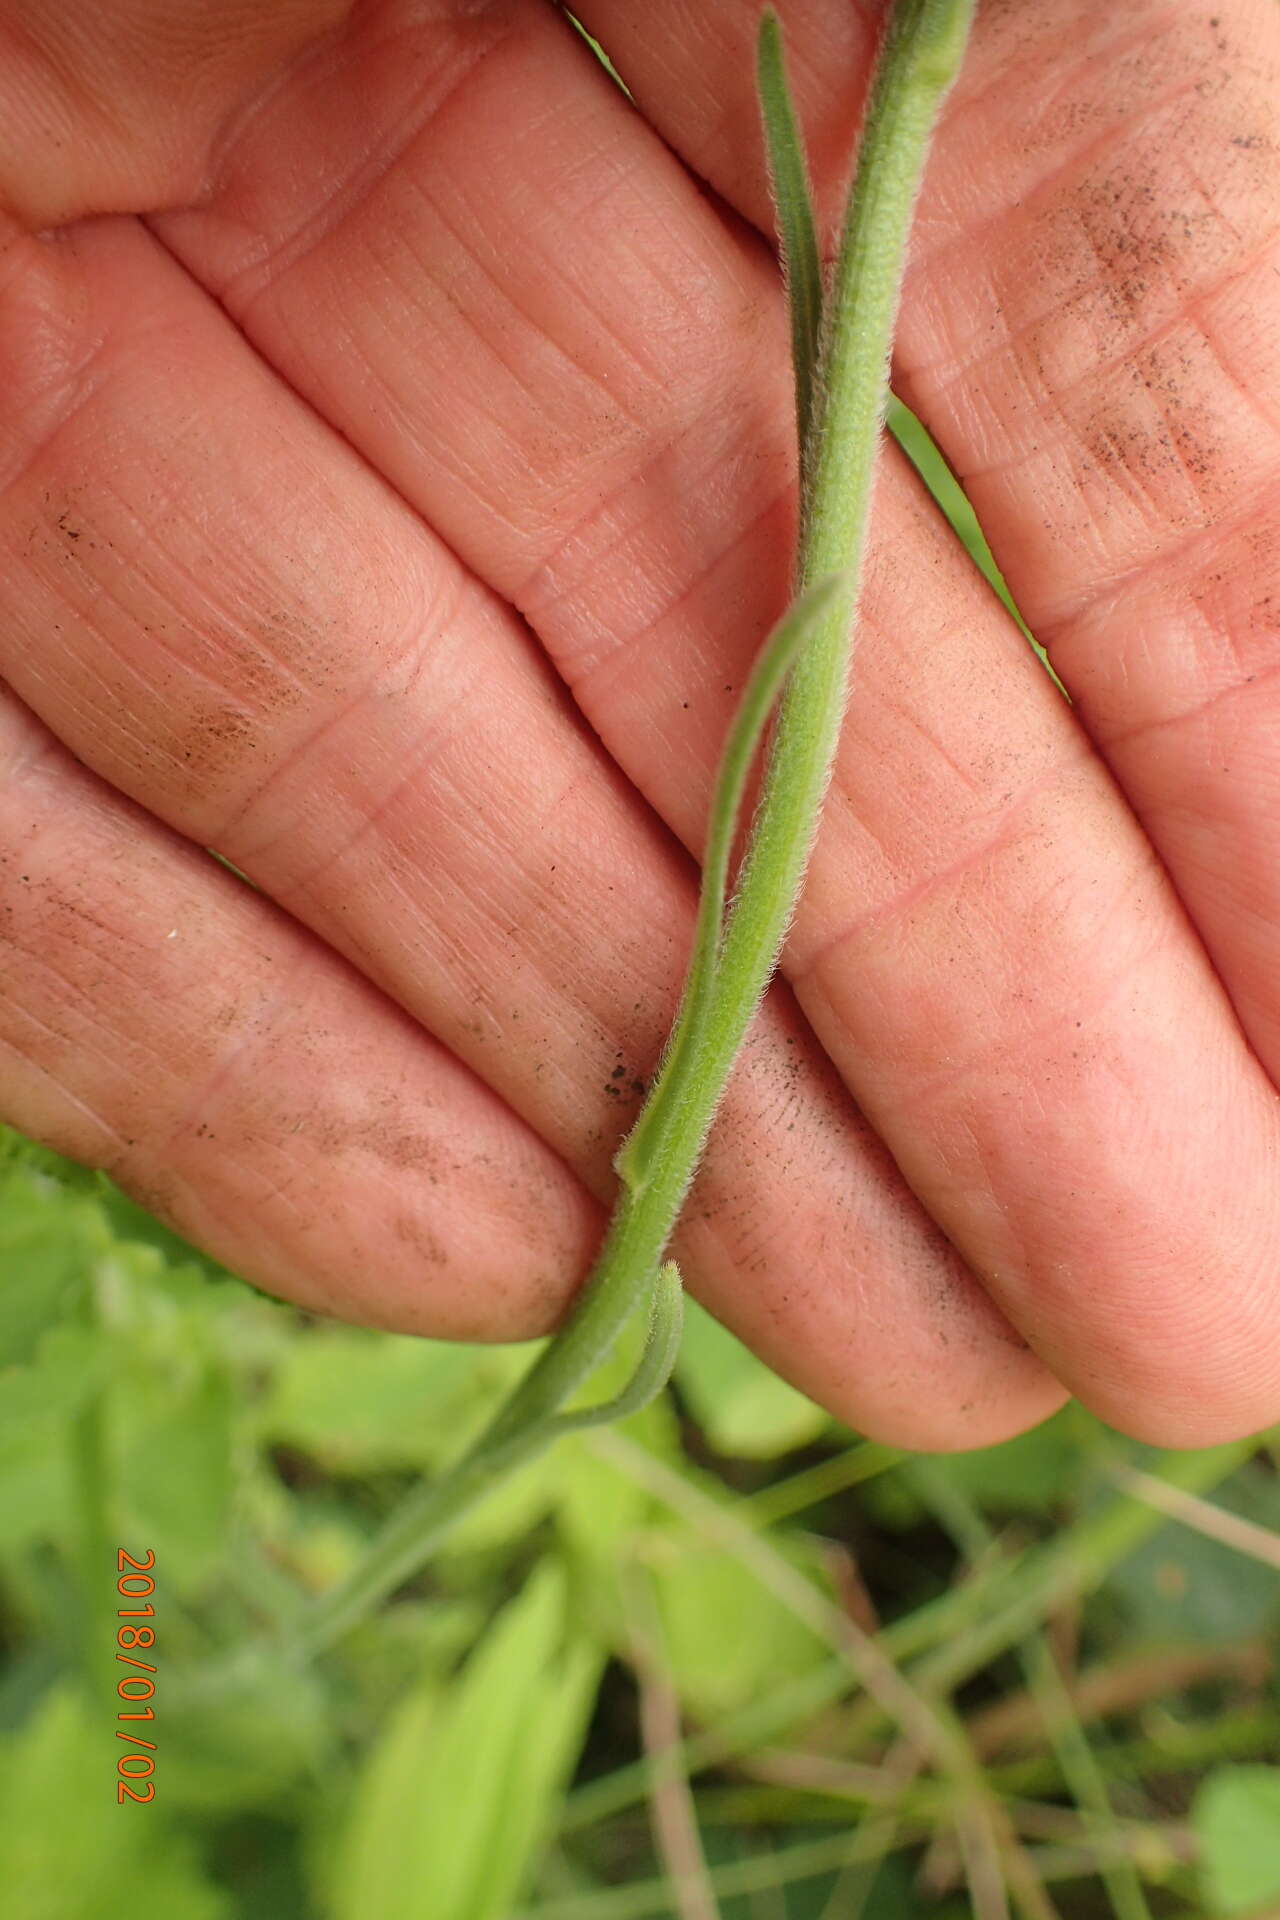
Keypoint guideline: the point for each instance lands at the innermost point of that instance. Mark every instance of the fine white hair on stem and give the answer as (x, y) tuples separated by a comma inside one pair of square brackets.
[(841, 339)]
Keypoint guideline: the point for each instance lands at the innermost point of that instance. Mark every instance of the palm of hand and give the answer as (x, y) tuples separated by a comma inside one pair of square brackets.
[(396, 505)]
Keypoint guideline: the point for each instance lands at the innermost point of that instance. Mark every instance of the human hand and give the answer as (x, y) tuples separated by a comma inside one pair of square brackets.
[(394, 496)]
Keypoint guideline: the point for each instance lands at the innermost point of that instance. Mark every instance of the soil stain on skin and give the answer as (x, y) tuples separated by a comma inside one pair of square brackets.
[(272, 662), (217, 738), (1175, 172), (413, 1233), (622, 1085)]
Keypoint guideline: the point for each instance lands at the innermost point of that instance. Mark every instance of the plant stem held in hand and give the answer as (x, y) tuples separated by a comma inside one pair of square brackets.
[(841, 339)]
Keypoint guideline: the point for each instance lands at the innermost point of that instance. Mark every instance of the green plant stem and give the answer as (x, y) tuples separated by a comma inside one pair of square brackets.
[(953, 1638), (812, 1485), (1248, 1733), (732, 966), (959, 1515), (653, 1189), (921, 55), (989, 1847), (766, 1871), (522, 1428), (1177, 1748), (1048, 1577)]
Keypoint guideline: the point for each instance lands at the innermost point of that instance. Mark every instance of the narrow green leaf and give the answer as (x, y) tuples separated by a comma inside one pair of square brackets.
[(797, 227), (662, 1343), (457, 1795), (635, 1158)]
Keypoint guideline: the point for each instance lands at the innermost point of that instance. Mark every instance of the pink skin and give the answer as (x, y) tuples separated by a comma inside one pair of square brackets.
[(395, 506)]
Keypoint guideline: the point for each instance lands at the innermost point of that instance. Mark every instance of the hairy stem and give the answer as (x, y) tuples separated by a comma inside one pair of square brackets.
[(841, 396)]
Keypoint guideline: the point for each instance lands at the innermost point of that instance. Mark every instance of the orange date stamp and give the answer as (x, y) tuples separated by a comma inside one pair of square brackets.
[(136, 1637)]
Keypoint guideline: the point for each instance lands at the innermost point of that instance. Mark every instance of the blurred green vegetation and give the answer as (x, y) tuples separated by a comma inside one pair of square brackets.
[(724, 1660)]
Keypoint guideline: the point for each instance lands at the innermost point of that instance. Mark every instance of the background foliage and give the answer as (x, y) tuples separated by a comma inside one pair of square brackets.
[(724, 1659)]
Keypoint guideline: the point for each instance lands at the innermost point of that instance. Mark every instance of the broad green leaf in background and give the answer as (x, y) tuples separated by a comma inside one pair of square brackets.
[(244, 1740), (504, 1518), (744, 1410), (48, 1236), (37, 1403), (67, 1850), (167, 1419), (1180, 1585), (81, 1310), (173, 1466), (726, 1637), (603, 1518), (1236, 1817), (460, 1788), (600, 1510), (1038, 1473), (360, 1402), (67, 1365), (427, 1638), (35, 1487)]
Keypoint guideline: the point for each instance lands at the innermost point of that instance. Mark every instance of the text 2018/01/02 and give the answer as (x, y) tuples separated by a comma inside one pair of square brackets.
[(136, 1689)]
